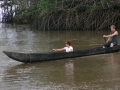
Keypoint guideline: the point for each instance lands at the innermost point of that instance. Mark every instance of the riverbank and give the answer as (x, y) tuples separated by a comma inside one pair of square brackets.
[(65, 15)]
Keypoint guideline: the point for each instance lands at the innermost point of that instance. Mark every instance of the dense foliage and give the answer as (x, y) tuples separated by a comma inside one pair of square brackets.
[(65, 14)]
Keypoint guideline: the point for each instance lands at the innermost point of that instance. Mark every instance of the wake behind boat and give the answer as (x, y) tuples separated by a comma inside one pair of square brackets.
[(39, 57)]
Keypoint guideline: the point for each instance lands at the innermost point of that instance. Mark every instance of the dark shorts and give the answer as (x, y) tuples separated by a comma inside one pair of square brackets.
[(107, 44)]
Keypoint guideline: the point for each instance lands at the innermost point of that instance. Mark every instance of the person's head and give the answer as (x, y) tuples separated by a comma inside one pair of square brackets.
[(67, 43), (112, 27)]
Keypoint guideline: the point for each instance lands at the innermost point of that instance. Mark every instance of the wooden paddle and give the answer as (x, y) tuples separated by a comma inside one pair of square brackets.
[(105, 39)]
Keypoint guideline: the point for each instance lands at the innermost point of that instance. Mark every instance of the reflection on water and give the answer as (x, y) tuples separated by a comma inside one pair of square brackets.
[(99, 72), (69, 72), (113, 63)]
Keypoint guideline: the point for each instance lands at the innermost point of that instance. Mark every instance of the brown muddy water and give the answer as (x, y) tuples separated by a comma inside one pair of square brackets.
[(98, 72)]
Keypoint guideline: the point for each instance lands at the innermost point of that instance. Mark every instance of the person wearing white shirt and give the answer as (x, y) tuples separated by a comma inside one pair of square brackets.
[(68, 47)]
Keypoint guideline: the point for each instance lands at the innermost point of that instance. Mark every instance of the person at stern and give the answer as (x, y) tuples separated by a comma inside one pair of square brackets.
[(112, 38)]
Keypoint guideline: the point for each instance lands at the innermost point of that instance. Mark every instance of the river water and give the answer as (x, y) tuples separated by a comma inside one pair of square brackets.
[(98, 72)]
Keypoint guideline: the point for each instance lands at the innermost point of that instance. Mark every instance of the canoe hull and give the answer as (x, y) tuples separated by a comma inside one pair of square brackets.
[(38, 57)]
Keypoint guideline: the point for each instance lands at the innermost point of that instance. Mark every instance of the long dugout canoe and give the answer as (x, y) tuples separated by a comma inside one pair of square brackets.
[(38, 57)]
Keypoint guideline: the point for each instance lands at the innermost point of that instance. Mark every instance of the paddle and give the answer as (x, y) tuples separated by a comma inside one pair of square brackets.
[(105, 39)]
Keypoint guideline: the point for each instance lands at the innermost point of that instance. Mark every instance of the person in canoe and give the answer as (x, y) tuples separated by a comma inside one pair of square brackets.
[(112, 38), (68, 47)]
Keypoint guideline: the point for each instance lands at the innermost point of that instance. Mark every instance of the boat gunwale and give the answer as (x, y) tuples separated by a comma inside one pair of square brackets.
[(75, 53)]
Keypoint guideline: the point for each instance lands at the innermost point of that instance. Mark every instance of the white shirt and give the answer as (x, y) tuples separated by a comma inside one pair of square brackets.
[(68, 49)]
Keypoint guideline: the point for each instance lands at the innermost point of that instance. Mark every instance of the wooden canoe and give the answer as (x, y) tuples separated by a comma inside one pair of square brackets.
[(38, 57)]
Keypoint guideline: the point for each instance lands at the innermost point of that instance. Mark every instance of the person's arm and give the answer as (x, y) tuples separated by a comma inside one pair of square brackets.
[(111, 35), (108, 39), (61, 49)]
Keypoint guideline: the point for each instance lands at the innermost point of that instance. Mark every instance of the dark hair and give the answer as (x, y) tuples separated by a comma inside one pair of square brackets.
[(68, 42)]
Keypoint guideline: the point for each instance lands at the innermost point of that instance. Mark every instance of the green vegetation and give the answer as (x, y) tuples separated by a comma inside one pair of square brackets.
[(65, 14)]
